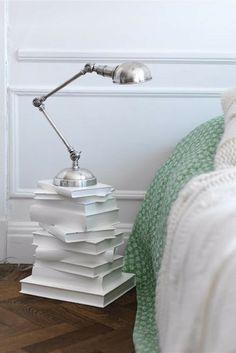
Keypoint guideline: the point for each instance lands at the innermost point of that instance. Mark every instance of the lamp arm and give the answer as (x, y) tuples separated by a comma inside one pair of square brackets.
[(74, 154), (102, 70), (37, 101)]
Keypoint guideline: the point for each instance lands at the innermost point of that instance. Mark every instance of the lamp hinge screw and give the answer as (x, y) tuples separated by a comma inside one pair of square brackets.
[(37, 102)]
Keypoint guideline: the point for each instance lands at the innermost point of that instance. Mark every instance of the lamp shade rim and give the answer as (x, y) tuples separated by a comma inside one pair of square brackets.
[(132, 82)]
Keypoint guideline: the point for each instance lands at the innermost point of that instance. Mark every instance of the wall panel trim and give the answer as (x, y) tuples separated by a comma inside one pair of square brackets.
[(126, 92), (16, 191), (155, 57)]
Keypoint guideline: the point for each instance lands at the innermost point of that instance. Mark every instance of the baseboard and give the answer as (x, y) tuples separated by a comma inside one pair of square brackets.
[(19, 242), (3, 239)]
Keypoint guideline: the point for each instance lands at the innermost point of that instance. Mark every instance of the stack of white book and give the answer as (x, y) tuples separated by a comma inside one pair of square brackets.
[(75, 256)]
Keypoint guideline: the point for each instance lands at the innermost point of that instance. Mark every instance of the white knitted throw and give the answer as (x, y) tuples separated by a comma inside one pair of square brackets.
[(196, 288), (226, 152)]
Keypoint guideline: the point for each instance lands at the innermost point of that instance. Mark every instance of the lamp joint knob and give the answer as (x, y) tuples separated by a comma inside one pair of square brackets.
[(88, 68), (38, 101), (74, 155)]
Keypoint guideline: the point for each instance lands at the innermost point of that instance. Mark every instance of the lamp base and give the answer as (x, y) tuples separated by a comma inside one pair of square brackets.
[(75, 177)]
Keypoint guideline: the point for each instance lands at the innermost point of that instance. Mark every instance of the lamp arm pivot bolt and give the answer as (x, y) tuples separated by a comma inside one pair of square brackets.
[(75, 156), (38, 101), (129, 72)]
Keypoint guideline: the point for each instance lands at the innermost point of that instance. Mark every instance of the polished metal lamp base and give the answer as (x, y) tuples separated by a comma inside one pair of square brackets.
[(75, 177)]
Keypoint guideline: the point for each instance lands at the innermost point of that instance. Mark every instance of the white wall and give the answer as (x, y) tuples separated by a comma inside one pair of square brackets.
[(125, 133)]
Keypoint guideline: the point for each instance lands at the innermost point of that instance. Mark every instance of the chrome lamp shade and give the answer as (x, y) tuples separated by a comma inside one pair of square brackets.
[(126, 73), (131, 72)]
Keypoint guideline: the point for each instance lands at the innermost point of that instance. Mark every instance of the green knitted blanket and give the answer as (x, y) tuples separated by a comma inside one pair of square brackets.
[(194, 155)]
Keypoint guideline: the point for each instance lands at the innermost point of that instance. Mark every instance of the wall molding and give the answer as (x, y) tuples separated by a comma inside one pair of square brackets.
[(19, 243), (25, 227), (15, 191), (126, 92), (3, 238), (155, 57), (20, 238)]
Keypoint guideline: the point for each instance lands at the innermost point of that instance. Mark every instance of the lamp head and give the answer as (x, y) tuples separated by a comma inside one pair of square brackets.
[(126, 73), (131, 72)]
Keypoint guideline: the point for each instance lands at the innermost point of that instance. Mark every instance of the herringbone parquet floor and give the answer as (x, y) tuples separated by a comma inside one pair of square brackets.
[(37, 325)]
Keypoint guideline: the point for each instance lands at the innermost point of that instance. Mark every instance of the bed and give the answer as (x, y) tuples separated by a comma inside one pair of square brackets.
[(193, 156)]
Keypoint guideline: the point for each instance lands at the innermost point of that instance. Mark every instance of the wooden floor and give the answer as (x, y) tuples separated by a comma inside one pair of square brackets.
[(31, 324)]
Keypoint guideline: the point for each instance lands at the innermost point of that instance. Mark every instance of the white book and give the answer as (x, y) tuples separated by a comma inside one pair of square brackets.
[(43, 194), (98, 283), (69, 235), (98, 190), (73, 219), (84, 208), (46, 289), (89, 270), (53, 254), (94, 246)]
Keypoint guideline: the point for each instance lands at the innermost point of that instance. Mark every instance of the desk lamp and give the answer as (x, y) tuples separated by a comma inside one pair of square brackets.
[(126, 73)]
